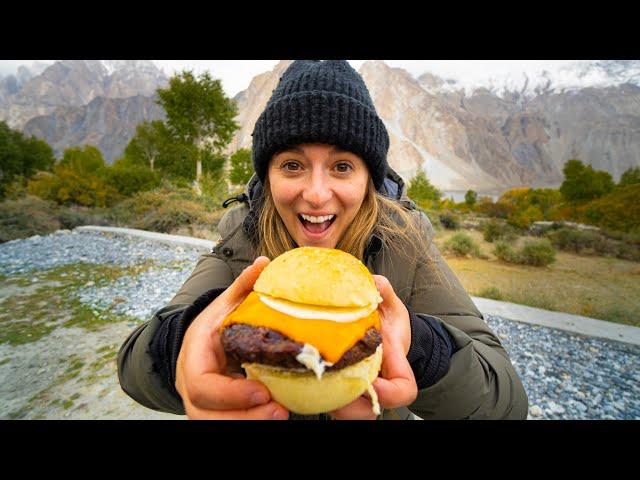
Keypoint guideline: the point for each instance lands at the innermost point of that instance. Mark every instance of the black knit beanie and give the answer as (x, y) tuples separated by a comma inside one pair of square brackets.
[(325, 102)]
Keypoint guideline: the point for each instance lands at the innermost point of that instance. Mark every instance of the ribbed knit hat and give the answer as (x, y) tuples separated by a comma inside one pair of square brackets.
[(325, 102)]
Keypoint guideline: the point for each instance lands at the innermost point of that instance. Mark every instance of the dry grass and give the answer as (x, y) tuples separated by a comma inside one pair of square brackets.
[(599, 287)]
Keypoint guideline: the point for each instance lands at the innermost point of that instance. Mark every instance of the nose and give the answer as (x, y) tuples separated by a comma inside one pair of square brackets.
[(318, 191)]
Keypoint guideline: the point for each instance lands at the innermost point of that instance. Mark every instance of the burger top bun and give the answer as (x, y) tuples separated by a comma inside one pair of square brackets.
[(319, 276)]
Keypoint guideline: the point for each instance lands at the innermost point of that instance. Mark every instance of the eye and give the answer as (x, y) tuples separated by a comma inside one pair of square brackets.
[(344, 167), (295, 164)]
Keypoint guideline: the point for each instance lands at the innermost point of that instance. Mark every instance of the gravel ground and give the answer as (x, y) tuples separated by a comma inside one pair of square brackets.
[(566, 376)]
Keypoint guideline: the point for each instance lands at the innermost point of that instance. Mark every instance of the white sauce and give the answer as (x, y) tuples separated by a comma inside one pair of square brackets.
[(310, 358)]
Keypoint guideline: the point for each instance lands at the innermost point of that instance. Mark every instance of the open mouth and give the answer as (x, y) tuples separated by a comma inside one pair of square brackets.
[(316, 228)]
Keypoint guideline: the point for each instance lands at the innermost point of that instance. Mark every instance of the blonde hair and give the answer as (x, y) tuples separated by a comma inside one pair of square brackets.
[(385, 217)]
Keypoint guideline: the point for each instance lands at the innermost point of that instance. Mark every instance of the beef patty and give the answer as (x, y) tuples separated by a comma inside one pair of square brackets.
[(245, 343)]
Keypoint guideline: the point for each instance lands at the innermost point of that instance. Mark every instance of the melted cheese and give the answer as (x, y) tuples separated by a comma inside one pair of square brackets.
[(332, 339)]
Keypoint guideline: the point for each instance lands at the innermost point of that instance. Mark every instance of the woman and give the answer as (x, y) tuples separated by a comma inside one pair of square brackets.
[(322, 179)]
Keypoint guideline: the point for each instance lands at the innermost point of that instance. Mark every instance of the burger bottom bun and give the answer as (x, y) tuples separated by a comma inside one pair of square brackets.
[(303, 393)]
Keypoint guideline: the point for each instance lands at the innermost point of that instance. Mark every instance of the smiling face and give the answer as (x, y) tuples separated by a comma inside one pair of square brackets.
[(317, 190)]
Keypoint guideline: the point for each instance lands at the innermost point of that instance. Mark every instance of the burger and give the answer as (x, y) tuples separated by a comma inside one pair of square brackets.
[(309, 330)]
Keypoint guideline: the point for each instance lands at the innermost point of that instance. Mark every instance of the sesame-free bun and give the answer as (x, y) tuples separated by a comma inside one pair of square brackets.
[(319, 276), (302, 392)]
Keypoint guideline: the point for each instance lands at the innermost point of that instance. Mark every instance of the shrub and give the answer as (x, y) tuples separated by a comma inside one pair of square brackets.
[(215, 188), (449, 221), (498, 209), (490, 292), (495, 230), (538, 253), (25, 217), (628, 252), (165, 210), (74, 216), (573, 240), (16, 189), (524, 218), (506, 253), (67, 186), (462, 244)]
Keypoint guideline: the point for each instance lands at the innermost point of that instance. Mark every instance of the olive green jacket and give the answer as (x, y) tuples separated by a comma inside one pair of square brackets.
[(481, 382)]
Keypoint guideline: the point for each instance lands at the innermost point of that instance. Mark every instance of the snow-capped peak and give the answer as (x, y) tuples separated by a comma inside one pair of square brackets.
[(534, 81)]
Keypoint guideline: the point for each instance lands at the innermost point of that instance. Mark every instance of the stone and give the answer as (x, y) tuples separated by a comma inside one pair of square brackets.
[(555, 408), (535, 410)]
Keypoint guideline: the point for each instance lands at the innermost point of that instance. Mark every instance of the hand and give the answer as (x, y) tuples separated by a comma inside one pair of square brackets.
[(206, 392), (396, 385)]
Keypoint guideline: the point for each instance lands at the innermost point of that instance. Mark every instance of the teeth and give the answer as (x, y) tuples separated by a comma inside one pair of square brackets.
[(317, 219)]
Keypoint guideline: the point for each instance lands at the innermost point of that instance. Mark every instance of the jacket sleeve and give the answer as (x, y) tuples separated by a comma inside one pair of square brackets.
[(481, 382), (140, 376)]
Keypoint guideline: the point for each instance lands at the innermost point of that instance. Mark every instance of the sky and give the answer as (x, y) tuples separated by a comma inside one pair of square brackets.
[(236, 74)]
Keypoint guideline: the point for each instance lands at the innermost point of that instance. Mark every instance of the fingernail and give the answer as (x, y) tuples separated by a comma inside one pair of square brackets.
[(259, 398), (280, 414)]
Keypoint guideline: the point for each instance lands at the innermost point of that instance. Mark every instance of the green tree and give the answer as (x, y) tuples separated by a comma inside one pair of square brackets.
[(199, 113), (21, 157), (630, 177), (129, 178), (83, 160), (470, 198), (420, 189), (583, 182), (148, 143), (241, 167)]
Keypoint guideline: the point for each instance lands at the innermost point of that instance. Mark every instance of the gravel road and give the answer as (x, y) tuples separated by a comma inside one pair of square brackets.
[(70, 371)]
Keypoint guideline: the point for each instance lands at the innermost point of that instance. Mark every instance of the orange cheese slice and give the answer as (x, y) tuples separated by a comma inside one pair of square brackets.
[(332, 339)]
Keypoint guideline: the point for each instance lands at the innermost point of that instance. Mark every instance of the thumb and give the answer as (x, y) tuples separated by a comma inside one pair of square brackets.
[(389, 297)]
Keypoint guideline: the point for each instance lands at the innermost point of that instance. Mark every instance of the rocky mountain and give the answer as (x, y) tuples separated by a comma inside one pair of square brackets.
[(74, 83), (506, 133), (251, 103), (73, 102), (107, 123)]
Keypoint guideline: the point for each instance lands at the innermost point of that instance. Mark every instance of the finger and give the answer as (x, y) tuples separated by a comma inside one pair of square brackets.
[(396, 387), (359, 409), (389, 297), (395, 392), (396, 384), (270, 411), (218, 392)]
